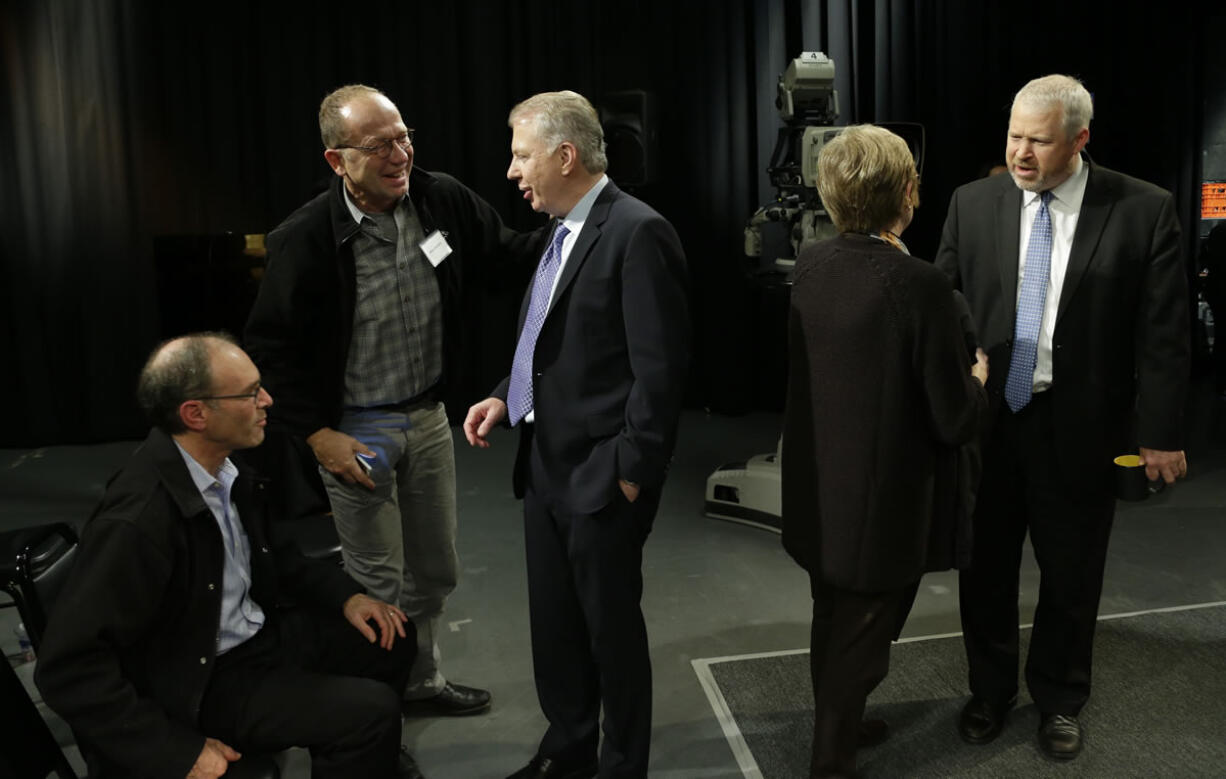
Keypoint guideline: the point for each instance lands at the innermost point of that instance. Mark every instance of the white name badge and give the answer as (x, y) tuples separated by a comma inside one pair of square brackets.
[(436, 248)]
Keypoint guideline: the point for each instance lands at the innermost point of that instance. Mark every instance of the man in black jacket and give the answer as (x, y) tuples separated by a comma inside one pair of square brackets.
[(357, 330), (173, 647)]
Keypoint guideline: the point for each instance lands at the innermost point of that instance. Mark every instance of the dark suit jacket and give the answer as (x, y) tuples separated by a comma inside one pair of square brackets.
[(1121, 338), (611, 358), (880, 396), (133, 637)]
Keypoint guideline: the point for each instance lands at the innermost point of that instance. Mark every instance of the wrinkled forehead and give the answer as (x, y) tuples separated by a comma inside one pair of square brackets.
[(232, 368), (1032, 117), (525, 138), (372, 116)]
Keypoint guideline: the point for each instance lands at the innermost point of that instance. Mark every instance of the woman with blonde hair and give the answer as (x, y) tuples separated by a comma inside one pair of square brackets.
[(881, 395)]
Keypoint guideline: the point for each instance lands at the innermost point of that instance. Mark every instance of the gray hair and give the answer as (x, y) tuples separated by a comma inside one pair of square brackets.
[(565, 116), (1064, 91), (178, 370), (332, 123)]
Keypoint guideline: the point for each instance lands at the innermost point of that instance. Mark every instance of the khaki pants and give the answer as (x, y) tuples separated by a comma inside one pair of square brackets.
[(398, 540)]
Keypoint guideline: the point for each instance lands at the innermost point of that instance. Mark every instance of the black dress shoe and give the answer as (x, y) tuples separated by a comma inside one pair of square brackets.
[(548, 768), (406, 766), (454, 700), (982, 721), (871, 733), (1060, 736)]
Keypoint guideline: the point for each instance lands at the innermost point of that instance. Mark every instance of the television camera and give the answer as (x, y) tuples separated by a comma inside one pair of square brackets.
[(809, 106)]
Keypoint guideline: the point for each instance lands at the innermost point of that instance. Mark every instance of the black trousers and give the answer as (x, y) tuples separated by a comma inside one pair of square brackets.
[(849, 655), (1069, 520), (310, 679), (589, 641)]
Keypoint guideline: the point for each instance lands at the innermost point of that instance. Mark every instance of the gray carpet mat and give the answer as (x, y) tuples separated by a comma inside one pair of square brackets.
[(1158, 708)]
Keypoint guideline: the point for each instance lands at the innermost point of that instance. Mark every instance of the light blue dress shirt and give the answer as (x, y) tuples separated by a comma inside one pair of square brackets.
[(241, 617)]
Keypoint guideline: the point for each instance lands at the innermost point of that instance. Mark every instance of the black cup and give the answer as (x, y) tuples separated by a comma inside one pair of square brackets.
[(1130, 480)]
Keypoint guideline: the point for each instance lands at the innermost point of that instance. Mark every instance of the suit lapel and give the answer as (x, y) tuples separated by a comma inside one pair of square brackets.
[(587, 239), (1008, 228), (1096, 207)]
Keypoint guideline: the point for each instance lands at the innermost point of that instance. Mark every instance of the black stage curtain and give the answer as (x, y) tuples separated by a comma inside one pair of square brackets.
[(123, 121)]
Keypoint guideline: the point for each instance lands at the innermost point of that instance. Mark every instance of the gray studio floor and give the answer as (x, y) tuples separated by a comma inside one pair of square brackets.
[(713, 589)]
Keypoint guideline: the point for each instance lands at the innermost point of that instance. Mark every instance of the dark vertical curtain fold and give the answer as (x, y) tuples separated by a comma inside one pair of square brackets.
[(126, 120), (78, 277)]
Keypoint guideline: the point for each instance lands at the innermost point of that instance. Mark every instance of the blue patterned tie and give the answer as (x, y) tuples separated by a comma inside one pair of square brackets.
[(1030, 305), (519, 393)]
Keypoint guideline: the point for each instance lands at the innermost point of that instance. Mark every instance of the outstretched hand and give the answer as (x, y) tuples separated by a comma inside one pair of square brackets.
[(481, 420)]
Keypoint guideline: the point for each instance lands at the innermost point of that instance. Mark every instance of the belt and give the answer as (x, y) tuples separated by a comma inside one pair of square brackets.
[(429, 397)]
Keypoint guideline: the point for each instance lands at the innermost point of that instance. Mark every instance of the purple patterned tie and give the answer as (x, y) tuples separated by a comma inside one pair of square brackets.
[(519, 393), (1030, 303)]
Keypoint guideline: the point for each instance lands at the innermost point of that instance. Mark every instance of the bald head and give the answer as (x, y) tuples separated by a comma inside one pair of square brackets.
[(178, 370), (336, 112)]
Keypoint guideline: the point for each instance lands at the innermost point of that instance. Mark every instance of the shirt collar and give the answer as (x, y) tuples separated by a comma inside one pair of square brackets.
[(357, 213), (578, 215), (205, 480), (1070, 191)]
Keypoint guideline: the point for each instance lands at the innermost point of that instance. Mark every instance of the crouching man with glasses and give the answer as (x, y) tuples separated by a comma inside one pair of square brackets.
[(187, 635)]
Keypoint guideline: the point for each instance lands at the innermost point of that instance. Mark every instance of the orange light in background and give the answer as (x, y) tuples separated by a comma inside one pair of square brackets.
[(1213, 200)]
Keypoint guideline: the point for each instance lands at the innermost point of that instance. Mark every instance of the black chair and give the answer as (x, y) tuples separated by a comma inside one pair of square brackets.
[(33, 569), (34, 562)]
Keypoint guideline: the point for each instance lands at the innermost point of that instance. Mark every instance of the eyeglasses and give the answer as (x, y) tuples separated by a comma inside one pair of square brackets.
[(383, 148), (253, 396)]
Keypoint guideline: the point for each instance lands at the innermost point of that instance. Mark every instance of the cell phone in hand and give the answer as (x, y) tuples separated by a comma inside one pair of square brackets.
[(364, 460)]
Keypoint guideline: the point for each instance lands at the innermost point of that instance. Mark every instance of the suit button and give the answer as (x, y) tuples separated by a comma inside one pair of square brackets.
[(211, 587), (204, 661)]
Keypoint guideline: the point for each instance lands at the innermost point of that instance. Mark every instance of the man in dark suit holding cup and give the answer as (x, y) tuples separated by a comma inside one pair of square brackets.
[(1076, 283)]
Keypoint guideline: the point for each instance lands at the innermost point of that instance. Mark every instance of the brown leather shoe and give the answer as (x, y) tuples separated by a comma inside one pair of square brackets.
[(1060, 736)]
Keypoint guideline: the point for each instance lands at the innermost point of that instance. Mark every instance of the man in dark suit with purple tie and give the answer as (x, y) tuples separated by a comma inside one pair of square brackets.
[(595, 389)]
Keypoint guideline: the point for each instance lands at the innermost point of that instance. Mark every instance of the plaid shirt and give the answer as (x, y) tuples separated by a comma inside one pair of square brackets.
[(396, 350)]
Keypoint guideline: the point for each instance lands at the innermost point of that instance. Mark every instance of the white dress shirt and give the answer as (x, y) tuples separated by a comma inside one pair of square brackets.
[(574, 223), (1064, 208)]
